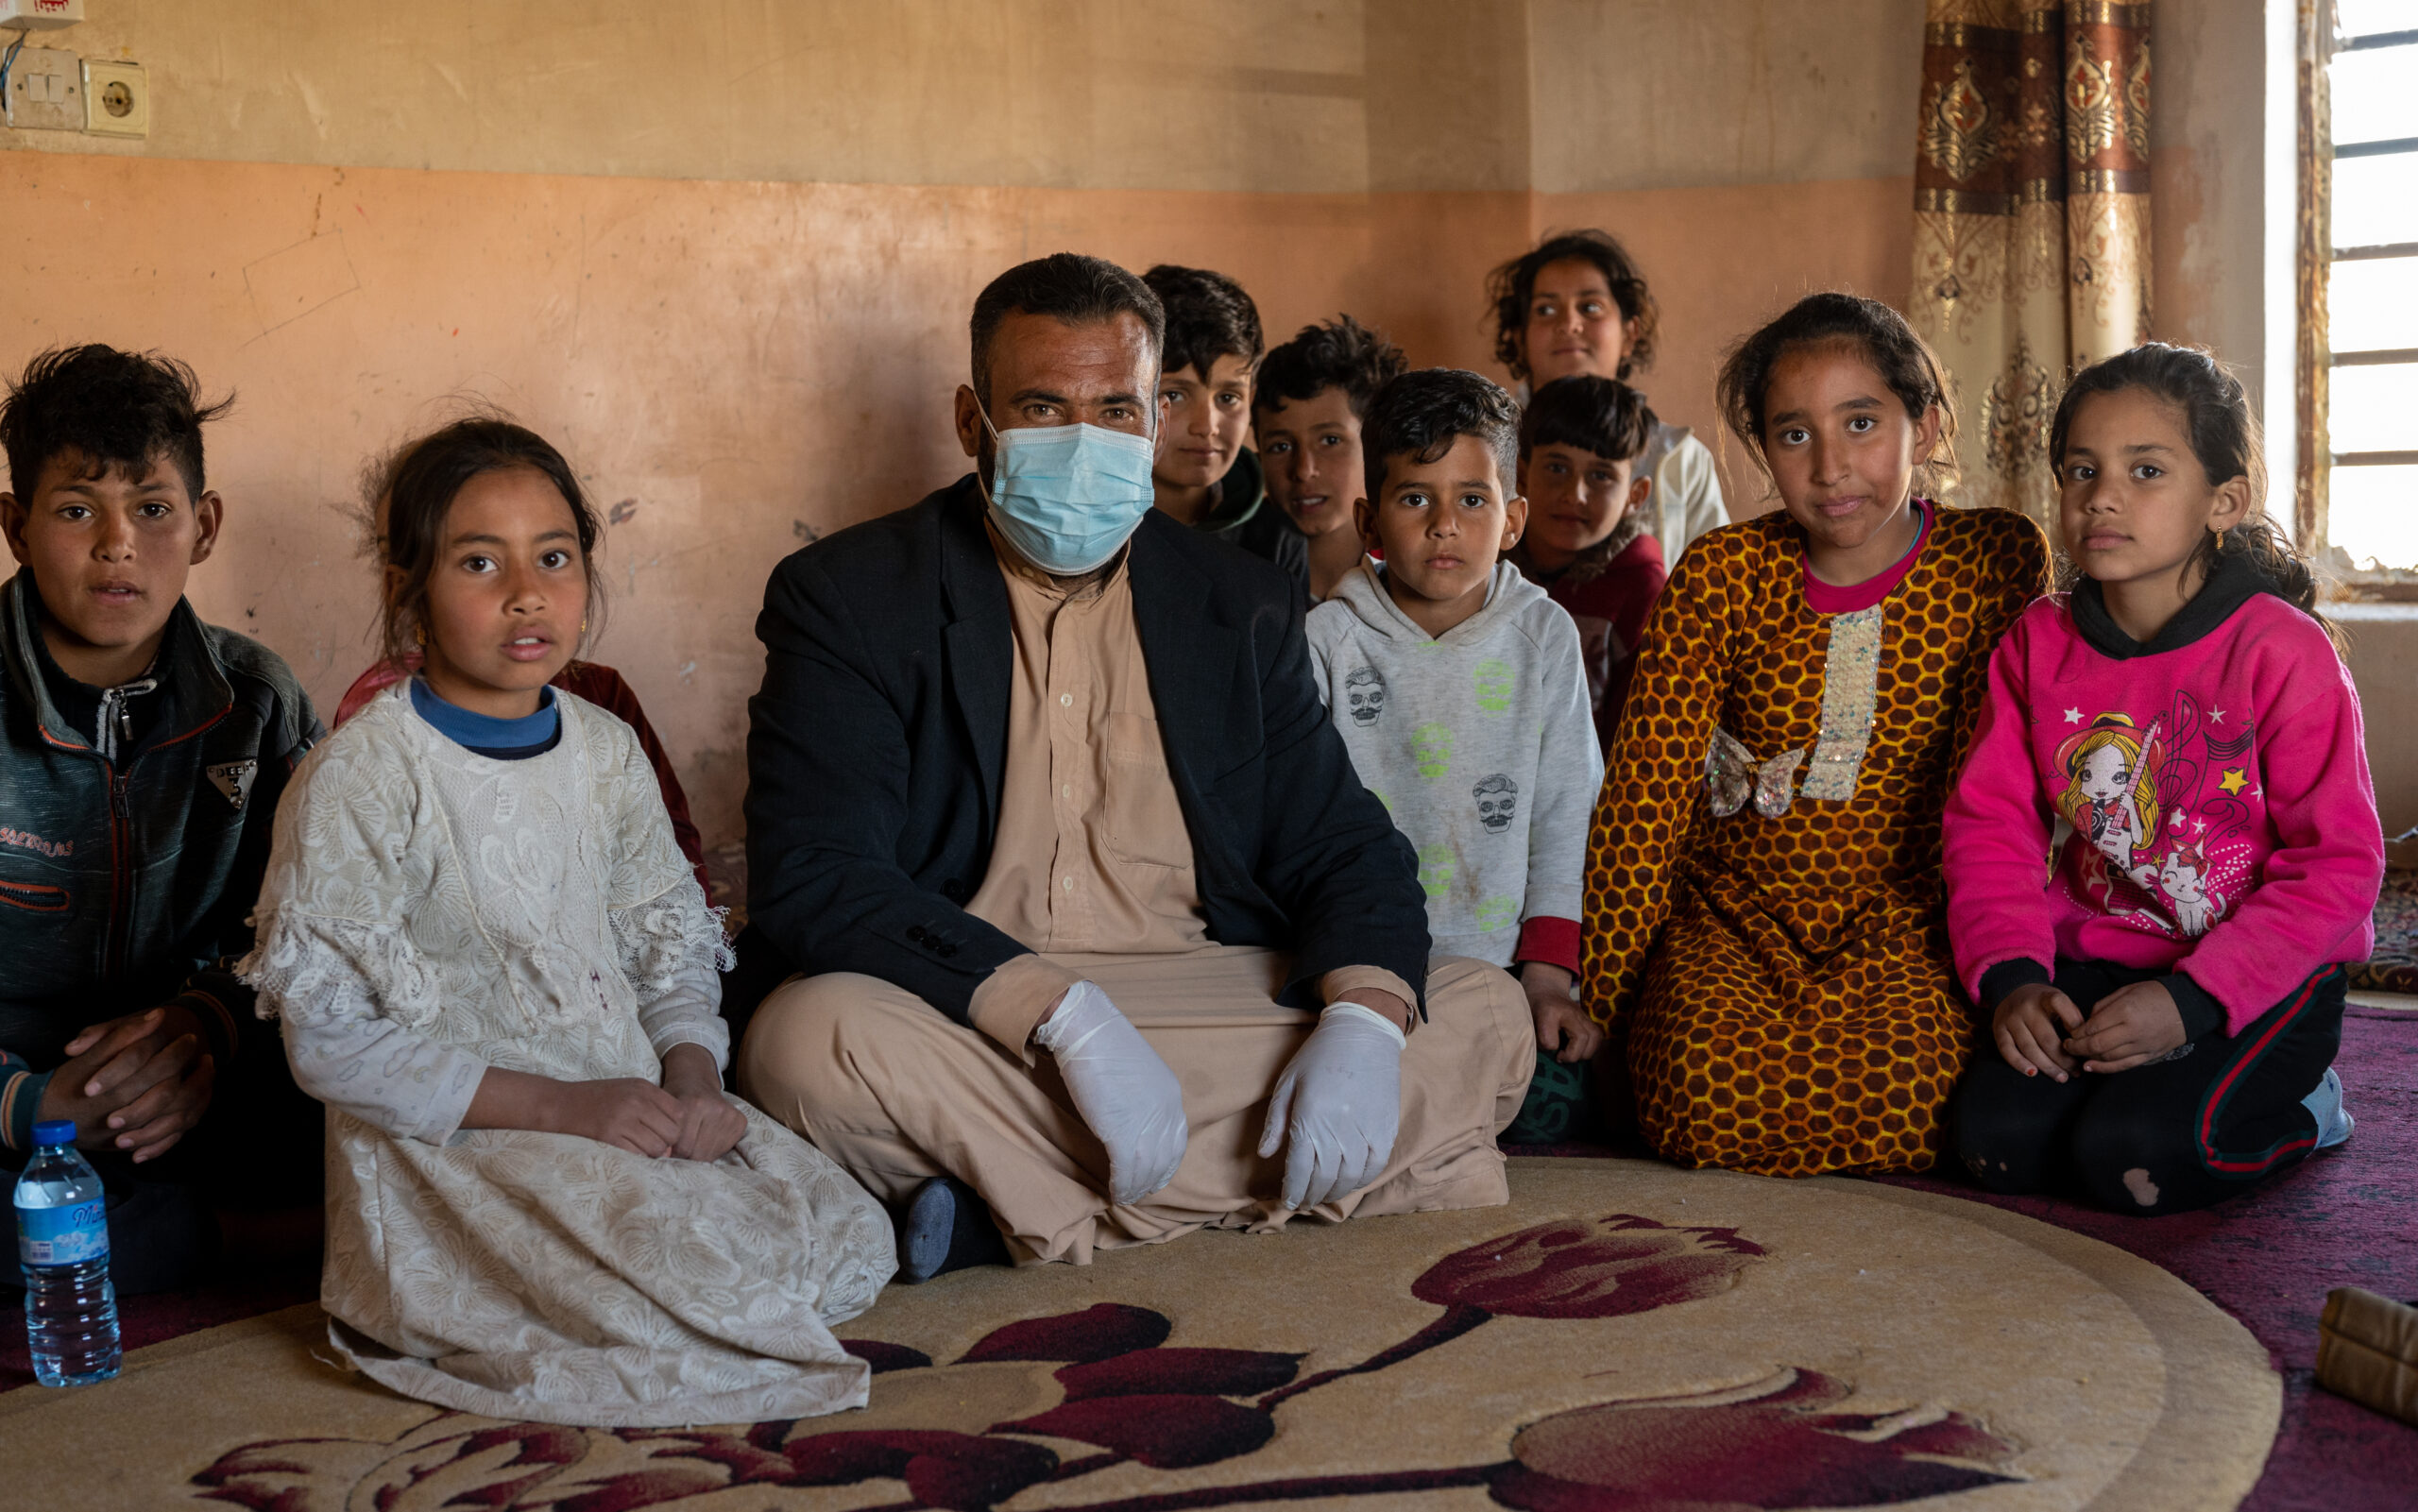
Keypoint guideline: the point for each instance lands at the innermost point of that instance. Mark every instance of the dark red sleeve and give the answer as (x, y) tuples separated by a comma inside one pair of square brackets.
[(1549, 941), (604, 686)]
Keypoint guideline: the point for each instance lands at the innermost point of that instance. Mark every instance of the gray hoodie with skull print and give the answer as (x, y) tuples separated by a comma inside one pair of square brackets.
[(1481, 746)]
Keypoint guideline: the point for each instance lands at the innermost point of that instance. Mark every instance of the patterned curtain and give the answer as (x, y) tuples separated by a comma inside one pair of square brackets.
[(2032, 219)]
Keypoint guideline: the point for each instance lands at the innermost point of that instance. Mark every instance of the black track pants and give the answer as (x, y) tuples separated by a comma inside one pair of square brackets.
[(2167, 1137)]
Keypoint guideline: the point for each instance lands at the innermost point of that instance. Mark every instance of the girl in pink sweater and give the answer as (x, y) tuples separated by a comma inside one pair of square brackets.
[(2179, 739)]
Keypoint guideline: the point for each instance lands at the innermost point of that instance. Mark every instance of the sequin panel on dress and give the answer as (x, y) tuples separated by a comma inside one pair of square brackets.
[(1850, 682)]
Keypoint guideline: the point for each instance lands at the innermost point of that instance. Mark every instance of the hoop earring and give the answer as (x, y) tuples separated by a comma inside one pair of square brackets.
[(419, 635), (583, 627), (2221, 539)]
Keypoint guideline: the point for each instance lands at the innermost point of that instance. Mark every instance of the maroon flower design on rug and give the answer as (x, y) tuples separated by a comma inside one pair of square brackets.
[(1572, 1267), (1136, 1399), (1773, 1448)]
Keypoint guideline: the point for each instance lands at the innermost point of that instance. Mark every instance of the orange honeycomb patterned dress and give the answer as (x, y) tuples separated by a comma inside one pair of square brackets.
[(1764, 903)]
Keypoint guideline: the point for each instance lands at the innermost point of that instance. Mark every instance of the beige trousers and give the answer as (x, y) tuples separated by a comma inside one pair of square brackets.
[(897, 1092)]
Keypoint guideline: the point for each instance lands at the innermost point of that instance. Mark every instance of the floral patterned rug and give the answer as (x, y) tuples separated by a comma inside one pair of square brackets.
[(1622, 1336)]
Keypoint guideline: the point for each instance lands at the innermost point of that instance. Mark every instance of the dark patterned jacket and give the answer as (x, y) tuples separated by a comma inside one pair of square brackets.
[(126, 882)]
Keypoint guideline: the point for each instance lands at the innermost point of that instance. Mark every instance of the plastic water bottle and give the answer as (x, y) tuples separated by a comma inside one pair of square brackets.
[(64, 1243)]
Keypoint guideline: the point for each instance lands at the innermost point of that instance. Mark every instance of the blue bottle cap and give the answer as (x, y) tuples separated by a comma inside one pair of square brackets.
[(55, 1131)]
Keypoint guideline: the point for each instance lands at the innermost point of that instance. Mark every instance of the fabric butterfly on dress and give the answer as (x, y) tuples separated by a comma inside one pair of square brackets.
[(1731, 776)]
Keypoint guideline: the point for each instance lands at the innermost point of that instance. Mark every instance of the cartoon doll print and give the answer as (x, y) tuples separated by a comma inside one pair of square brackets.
[(2155, 835), (2111, 794)]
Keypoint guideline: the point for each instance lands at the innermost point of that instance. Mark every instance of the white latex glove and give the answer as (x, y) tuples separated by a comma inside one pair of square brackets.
[(1121, 1087), (1339, 1104)]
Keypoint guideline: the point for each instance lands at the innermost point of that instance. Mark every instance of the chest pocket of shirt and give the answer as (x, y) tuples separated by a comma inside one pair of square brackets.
[(1144, 822)]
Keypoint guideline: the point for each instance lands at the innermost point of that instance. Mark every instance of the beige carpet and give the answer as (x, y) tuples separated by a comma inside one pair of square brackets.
[(1621, 1336)]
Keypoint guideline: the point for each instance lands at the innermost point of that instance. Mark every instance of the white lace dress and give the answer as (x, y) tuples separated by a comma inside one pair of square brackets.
[(430, 912)]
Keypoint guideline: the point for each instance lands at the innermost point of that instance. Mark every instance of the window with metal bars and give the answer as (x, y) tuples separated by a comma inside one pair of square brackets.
[(2358, 489)]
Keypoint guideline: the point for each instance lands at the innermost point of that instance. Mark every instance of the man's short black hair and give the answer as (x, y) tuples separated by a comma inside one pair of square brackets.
[(1342, 353), (1419, 414), (1598, 414), (1209, 317), (1066, 287), (120, 411)]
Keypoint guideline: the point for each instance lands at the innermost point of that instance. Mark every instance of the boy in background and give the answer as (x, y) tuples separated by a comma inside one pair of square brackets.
[(1587, 544), (1457, 688), (142, 756), (1205, 476), (1307, 407)]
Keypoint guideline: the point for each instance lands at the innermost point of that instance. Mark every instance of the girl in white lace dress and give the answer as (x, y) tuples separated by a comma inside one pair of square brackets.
[(497, 970)]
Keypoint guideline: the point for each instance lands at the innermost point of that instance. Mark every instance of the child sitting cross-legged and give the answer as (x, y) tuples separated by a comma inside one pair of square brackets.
[(2167, 1008), (1457, 688), (1307, 409), (498, 971), (1587, 544), (142, 756)]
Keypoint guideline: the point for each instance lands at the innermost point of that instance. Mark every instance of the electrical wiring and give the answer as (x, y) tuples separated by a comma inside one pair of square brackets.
[(8, 61)]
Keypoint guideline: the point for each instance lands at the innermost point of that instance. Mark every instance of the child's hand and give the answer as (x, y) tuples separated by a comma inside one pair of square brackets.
[(2130, 1026), (710, 1126), (636, 1115), (2028, 1023), (136, 1083), (1564, 1030)]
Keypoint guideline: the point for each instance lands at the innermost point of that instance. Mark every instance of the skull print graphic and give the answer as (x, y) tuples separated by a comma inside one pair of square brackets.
[(1498, 802), (1366, 691)]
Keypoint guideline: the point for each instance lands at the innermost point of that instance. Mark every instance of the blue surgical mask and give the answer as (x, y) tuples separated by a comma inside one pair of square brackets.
[(1067, 496)]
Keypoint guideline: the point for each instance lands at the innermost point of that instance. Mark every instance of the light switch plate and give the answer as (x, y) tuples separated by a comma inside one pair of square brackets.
[(45, 91), (117, 99)]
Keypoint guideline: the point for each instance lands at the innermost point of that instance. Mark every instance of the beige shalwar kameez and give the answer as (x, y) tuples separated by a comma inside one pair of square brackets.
[(1092, 868)]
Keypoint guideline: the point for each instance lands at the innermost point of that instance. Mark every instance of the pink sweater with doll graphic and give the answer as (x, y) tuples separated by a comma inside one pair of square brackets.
[(2207, 794)]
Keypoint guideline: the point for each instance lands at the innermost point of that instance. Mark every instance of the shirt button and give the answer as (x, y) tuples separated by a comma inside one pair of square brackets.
[(1066, 883), (1066, 790), (1065, 700)]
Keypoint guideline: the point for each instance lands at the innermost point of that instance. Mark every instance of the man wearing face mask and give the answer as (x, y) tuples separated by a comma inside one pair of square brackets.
[(1101, 939)]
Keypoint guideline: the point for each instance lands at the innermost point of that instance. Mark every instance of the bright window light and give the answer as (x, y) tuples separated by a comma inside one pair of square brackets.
[(2372, 512)]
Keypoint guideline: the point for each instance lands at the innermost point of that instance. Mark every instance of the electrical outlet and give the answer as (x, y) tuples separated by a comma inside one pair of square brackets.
[(117, 99), (45, 91)]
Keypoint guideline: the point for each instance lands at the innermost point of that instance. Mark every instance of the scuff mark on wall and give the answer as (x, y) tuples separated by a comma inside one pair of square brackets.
[(294, 280)]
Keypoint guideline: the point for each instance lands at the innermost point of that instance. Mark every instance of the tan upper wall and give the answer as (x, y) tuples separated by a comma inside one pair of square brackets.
[(1680, 93), (1095, 93), (1262, 95)]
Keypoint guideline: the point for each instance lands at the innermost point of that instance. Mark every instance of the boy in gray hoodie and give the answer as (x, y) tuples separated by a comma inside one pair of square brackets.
[(1459, 691)]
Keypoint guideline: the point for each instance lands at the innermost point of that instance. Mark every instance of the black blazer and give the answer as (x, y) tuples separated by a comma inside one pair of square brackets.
[(875, 749)]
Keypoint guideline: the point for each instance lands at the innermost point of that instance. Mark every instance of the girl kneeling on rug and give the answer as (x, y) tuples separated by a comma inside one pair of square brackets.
[(498, 971), (2167, 1008), (1762, 890)]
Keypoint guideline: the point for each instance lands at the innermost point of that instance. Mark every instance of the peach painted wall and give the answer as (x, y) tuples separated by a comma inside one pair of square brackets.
[(737, 365)]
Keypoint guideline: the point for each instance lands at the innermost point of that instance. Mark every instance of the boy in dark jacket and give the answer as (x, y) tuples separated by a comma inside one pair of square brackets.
[(1205, 476), (142, 755)]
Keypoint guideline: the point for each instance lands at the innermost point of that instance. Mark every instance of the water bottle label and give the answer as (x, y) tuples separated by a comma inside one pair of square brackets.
[(68, 1235)]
